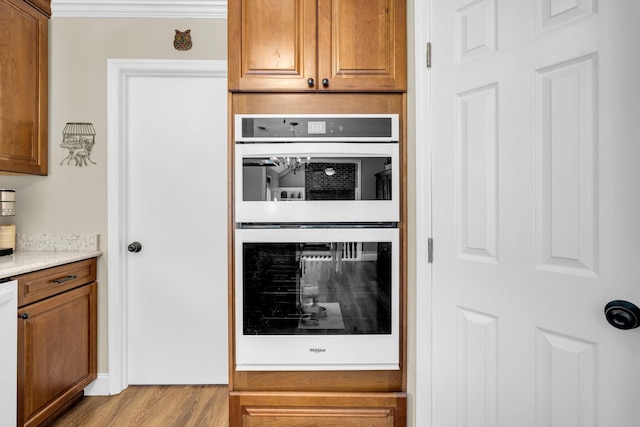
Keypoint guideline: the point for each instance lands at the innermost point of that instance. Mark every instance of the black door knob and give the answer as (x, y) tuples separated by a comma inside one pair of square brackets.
[(325, 82), (310, 82), (622, 314), (134, 247)]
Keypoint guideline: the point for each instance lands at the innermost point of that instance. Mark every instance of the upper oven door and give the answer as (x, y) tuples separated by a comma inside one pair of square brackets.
[(317, 182)]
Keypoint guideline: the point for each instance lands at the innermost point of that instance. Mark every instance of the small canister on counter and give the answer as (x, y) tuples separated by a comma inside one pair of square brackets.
[(7, 202), (7, 238)]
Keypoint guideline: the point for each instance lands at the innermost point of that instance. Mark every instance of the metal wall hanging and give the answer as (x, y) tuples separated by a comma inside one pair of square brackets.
[(79, 139), (182, 40)]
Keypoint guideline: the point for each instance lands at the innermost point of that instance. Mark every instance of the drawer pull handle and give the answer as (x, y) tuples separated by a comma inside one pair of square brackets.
[(65, 279), (24, 316)]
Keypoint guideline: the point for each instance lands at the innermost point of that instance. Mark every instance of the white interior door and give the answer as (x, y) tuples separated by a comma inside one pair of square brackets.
[(177, 210), (536, 193)]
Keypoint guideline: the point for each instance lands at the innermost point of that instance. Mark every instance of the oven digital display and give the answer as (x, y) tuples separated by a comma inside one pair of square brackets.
[(317, 128)]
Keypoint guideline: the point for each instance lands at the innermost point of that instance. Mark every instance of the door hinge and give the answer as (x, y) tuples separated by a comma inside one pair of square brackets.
[(430, 250), (429, 55)]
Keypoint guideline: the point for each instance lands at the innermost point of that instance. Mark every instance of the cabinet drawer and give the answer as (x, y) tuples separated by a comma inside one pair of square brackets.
[(41, 284), (273, 409)]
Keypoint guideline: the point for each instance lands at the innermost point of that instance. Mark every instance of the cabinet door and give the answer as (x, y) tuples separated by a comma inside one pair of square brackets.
[(23, 88), (272, 45), (362, 45), (57, 352)]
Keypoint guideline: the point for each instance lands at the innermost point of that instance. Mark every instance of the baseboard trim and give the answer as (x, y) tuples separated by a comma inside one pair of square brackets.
[(99, 387)]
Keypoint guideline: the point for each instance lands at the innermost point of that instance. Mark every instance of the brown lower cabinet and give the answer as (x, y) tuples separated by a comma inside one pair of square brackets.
[(57, 329)]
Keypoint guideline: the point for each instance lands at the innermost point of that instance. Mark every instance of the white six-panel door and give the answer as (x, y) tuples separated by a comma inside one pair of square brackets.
[(536, 192)]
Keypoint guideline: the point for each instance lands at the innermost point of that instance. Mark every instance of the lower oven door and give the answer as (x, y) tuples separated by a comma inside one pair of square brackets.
[(317, 299)]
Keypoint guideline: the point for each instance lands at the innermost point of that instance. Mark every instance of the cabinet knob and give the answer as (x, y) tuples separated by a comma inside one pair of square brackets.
[(24, 316), (311, 82), (325, 82)]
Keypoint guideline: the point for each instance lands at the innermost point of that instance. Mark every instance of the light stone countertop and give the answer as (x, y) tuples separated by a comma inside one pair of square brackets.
[(22, 262), (39, 251)]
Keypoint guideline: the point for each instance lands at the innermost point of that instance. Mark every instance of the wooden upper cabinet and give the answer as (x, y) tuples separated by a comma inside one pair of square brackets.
[(362, 45), (317, 45), (275, 47), (23, 87)]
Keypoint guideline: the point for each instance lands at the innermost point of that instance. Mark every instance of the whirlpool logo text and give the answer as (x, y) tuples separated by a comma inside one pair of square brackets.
[(317, 350)]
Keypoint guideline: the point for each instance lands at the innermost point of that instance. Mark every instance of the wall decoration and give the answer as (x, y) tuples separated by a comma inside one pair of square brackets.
[(79, 139), (182, 40)]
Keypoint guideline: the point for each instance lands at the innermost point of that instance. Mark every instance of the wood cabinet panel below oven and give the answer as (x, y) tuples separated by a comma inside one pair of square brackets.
[(317, 409)]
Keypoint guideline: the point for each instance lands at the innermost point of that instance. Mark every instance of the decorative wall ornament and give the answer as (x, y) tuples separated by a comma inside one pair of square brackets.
[(79, 139), (182, 40)]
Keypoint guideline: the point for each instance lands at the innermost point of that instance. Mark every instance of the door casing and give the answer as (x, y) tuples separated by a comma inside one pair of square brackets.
[(421, 118), (118, 74)]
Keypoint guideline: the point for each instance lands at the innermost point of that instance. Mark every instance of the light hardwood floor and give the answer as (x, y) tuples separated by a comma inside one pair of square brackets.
[(152, 406)]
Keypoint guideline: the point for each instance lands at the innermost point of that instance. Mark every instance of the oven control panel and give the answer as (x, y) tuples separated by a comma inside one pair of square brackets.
[(347, 127)]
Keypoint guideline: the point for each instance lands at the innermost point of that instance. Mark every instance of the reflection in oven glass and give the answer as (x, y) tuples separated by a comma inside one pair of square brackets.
[(340, 288), (309, 178)]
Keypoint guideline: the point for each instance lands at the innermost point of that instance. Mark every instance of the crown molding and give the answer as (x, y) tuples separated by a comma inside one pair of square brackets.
[(139, 8)]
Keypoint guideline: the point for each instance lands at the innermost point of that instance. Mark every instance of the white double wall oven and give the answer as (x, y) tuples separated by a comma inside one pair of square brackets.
[(317, 250)]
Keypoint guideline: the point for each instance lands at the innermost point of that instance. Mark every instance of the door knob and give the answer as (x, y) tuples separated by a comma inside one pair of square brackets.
[(310, 82), (134, 247), (325, 82), (622, 314)]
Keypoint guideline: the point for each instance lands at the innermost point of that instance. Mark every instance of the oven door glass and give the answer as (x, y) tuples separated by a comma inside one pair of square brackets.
[(317, 298), (317, 182)]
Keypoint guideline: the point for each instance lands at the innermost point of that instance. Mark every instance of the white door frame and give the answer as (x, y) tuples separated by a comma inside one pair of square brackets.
[(423, 394), (119, 71)]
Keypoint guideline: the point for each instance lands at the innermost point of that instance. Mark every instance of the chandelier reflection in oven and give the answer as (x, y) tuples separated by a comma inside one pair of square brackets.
[(283, 164), (295, 164), (288, 164)]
